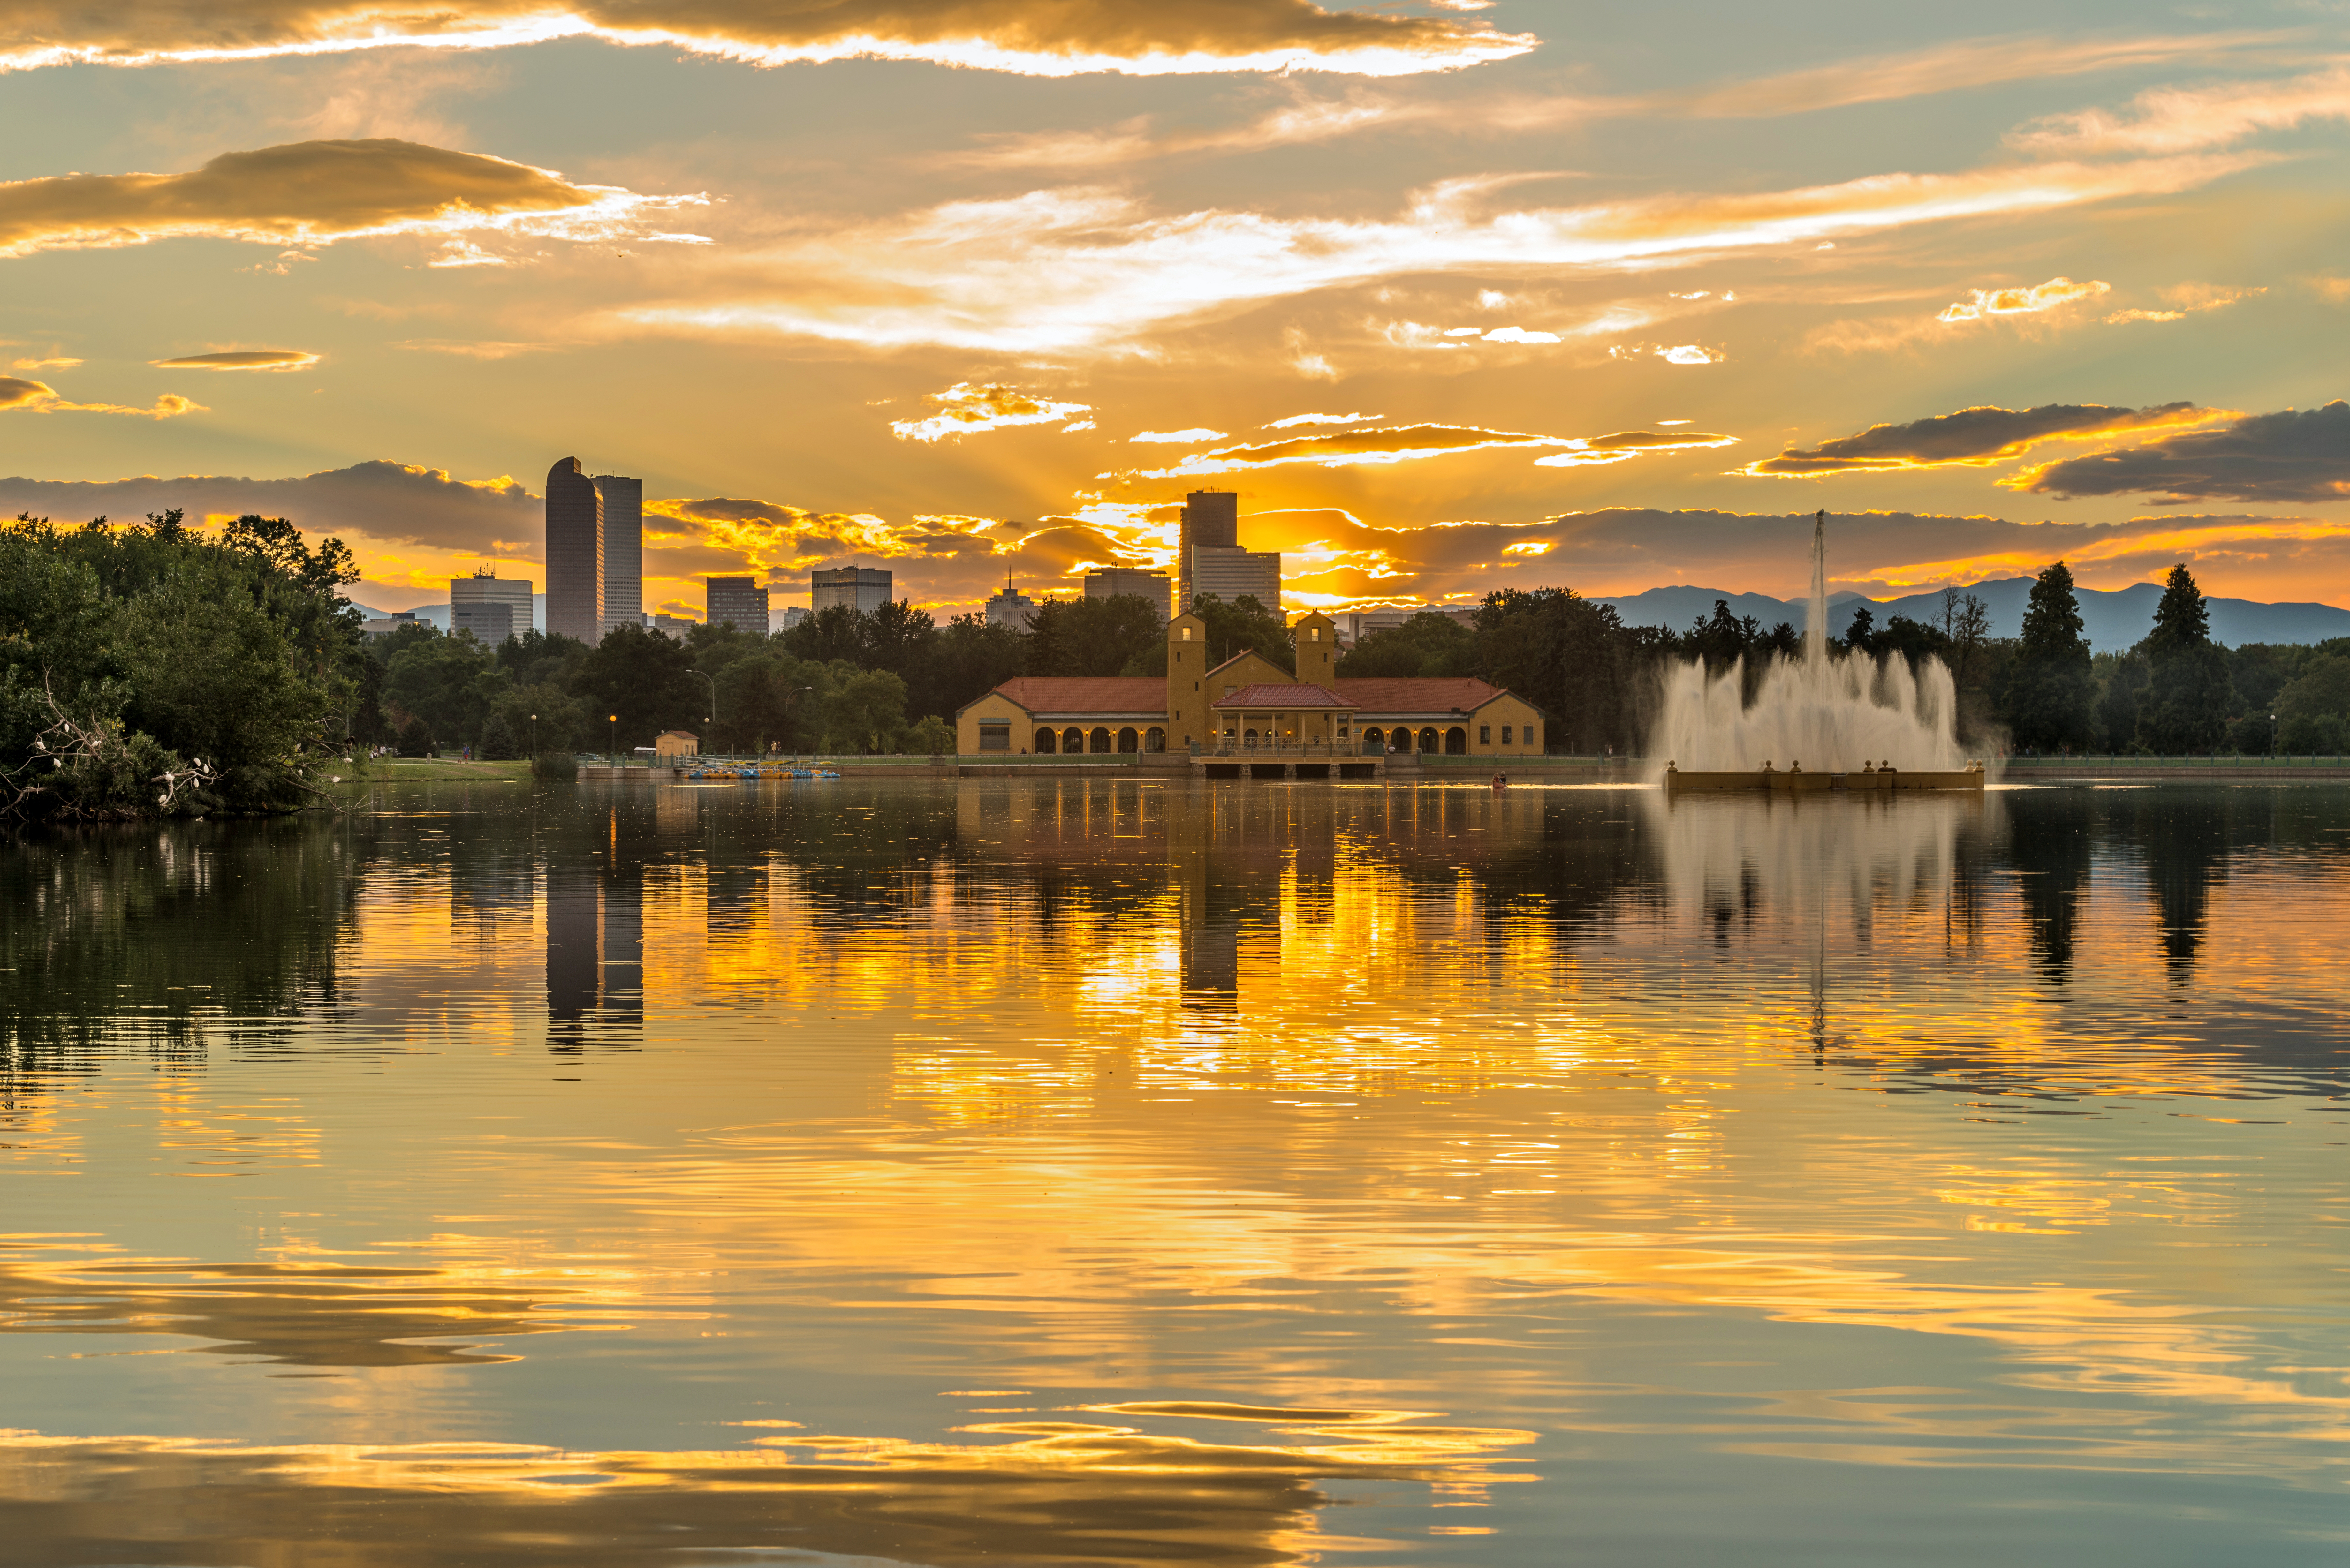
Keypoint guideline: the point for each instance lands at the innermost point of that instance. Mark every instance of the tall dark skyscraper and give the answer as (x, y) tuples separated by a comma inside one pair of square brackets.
[(574, 554), (1212, 518), (624, 549)]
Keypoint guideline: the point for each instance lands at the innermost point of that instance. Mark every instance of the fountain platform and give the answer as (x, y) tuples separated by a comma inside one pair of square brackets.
[(1796, 782)]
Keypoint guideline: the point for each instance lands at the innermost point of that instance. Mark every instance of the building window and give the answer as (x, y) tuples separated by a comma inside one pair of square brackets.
[(1485, 734), (1505, 737), (1231, 691), (996, 737)]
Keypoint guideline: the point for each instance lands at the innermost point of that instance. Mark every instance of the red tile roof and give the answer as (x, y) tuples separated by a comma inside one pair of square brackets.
[(1416, 694), (1265, 695), (1087, 693)]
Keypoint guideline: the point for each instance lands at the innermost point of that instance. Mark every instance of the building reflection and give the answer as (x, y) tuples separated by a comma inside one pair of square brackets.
[(593, 888)]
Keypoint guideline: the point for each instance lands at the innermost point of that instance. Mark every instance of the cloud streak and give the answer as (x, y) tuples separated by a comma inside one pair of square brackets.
[(970, 408), (2165, 121), (20, 396), (1413, 444), (2295, 455), (315, 193), (1990, 304), (1060, 270), (1143, 38), (242, 359), (1975, 437)]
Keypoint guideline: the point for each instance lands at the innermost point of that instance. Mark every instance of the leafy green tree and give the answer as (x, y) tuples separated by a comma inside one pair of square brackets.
[(542, 716), (1427, 644), (834, 632), (415, 738), (2312, 710), (1568, 656), (1120, 635), (2185, 708), (763, 702), (449, 682), (1860, 633), (647, 680), (2050, 684), (934, 737), (973, 660), (861, 711), (2122, 687), (1236, 627), (536, 657)]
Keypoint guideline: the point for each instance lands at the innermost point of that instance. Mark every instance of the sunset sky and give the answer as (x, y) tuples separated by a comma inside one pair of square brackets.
[(1458, 295)]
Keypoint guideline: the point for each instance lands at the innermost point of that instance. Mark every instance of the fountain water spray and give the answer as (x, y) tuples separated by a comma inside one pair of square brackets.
[(1830, 712)]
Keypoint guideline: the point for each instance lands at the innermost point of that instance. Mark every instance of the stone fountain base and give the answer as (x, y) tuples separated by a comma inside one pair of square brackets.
[(1796, 783)]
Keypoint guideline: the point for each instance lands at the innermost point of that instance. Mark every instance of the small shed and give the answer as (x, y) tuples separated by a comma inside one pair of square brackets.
[(677, 744)]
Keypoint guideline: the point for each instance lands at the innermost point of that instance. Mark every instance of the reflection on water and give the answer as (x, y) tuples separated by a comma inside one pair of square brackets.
[(1126, 1173)]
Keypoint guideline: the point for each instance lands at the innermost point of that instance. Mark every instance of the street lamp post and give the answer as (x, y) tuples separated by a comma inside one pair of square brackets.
[(534, 737), (614, 756), (2272, 738), (790, 698), (710, 721)]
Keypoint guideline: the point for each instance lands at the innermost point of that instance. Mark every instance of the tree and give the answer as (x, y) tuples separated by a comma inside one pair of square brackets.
[(862, 710), (1568, 656), (415, 738), (1240, 626), (542, 717), (2050, 684), (447, 682), (1119, 635), (1427, 644), (2312, 710), (834, 632), (498, 742), (647, 680), (934, 737), (2124, 680), (1860, 632), (2185, 707), (973, 660)]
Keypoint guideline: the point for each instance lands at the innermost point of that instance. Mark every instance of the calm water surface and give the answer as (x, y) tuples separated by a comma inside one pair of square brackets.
[(1115, 1173)]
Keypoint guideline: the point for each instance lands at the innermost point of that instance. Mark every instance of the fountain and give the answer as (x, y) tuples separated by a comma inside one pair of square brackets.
[(1824, 721)]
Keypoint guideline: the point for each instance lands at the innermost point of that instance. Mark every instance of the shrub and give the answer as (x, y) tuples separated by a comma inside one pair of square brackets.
[(498, 743), (415, 739)]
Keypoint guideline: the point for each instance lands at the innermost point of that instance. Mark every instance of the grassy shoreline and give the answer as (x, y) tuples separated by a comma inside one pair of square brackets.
[(435, 770)]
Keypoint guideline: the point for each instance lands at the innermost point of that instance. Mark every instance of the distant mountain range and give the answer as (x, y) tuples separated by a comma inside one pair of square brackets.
[(2115, 619)]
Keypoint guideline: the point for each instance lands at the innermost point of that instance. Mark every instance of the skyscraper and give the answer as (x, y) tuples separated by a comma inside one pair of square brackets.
[(741, 600), (1129, 582), (492, 608), (624, 549), (574, 554), (861, 588), (1012, 608), (1211, 518), (1231, 573)]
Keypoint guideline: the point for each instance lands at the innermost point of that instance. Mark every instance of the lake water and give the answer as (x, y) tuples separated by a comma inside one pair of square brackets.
[(1113, 1173)]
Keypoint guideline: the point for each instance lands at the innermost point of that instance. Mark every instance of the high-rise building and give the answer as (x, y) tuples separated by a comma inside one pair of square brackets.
[(574, 554), (1231, 573), (1011, 608), (673, 626), (1360, 624), (624, 549), (1131, 582), (1211, 518), (743, 600), (492, 608), (793, 616), (862, 589)]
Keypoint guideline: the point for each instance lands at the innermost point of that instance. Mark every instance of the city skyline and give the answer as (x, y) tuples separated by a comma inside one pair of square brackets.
[(1453, 299)]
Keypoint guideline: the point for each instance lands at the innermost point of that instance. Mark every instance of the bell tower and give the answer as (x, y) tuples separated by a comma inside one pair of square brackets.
[(1187, 698), (1316, 637)]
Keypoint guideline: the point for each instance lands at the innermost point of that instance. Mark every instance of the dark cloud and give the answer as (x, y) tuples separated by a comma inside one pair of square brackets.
[(2296, 455), (1136, 36), (242, 359), (309, 192), (395, 502), (1971, 436)]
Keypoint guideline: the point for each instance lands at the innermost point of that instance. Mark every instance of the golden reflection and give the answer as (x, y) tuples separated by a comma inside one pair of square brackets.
[(1074, 1493)]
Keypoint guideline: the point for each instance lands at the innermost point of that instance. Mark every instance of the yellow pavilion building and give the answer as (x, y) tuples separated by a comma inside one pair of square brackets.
[(1248, 705)]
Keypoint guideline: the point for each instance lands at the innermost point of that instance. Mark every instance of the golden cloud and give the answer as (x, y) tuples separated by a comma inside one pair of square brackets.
[(1410, 443), (1068, 268), (2185, 300), (2170, 119), (2295, 455), (1989, 302), (314, 193), (967, 408), (1143, 38), (243, 360), (20, 396), (1975, 437)]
